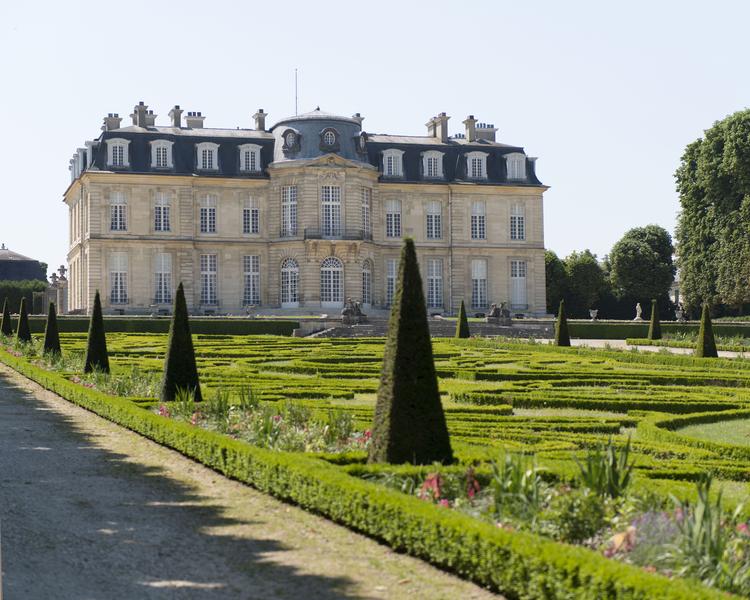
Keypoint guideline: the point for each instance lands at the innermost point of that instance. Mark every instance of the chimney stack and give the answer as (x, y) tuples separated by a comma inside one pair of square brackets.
[(260, 120), (358, 118), (486, 131), (441, 127), (471, 128), (431, 127), (150, 118), (175, 116), (112, 121), (139, 114), (194, 120)]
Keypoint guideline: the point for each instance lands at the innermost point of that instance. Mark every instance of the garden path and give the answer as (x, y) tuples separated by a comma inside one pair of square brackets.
[(622, 345), (91, 510)]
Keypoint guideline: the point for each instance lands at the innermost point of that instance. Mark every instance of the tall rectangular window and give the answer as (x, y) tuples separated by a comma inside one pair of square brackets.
[(163, 283), (208, 279), (517, 223), (288, 210), (391, 268), (367, 212), (434, 221), (249, 160), (161, 213), (367, 282), (207, 159), (251, 282), (118, 155), (478, 221), (330, 200), (432, 166), (251, 216), (118, 212), (434, 282), (118, 277), (208, 214), (393, 218), (518, 298), (161, 157), (479, 283)]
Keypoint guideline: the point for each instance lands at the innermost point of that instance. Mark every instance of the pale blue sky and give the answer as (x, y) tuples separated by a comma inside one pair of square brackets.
[(606, 95)]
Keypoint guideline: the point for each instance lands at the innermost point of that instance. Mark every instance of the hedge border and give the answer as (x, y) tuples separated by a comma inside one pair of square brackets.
[(519, 565)]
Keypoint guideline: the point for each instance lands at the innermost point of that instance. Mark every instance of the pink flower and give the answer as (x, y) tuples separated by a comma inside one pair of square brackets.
[(276, 418), (431, 488), (744, 529), (472, 485), (164, 411), (444, 503)]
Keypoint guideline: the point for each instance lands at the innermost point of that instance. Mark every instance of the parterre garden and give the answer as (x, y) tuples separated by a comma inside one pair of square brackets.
[(544, 438)]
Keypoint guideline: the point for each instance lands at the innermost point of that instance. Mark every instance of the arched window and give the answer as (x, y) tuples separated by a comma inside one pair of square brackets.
[(329, 138), (367, 283), (331, 283), (161, 154), (289, 283), (117, 152), (249, 158)]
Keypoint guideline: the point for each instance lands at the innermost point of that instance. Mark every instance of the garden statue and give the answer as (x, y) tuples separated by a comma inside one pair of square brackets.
[(638, 311), (352, 313), (498, 315), (593, 312)]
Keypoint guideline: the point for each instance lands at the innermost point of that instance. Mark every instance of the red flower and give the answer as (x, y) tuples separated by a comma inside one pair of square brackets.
[(431, 488)]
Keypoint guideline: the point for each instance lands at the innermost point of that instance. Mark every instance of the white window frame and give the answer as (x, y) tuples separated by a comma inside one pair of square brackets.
[(207, 156), (515, 163), (391, 272), (209, 279), (164, 146), (479, 287), (162, 213), (479, 220), (163, 278), (289, 279), (434, 282), (330, 211), (434, 220), (517, 223), (329, 138), (393, 163), (367, 282), (367, 211), (207, 214), (331, 283), (251, 217), (118, 278), (393, 218), (250, 158), (251, 280), (288, 210), (118, 211), (123, 145), (432, 164), (476, 165)]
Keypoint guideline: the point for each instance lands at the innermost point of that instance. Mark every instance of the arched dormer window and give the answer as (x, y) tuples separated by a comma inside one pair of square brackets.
[(516, 166), (161, 154), (291, 141), (432, 164), (207, 156), (249, 158), (393, 163), (329, 140), (476, 165), (117, 152)]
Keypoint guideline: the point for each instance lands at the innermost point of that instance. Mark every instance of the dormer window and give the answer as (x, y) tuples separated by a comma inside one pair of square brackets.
[(117, 153), (291, 141), (207, 155), (393, 163), (161, 154), (432, 164), (329, 138), (516, 166), (250, 158), (476, 165)]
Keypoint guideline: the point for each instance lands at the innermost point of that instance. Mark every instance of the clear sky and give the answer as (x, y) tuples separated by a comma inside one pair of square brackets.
[(606, 95)]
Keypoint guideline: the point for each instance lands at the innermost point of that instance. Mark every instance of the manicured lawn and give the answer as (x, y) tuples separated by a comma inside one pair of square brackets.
[(726, 432)]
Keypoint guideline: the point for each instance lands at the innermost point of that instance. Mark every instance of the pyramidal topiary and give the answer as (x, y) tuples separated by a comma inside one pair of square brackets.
[(23, 333), (654, 327), (462, 324), (96, 351), (51, 335), (409, 424), (562, 337), (706, 347), (6, 327), (180, 370)]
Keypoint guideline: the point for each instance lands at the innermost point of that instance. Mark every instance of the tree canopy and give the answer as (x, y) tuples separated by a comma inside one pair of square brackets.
[(641, 263)]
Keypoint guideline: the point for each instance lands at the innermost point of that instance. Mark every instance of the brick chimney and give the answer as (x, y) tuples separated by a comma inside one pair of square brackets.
[(486, 131), (471, 128), (112, 121), (175, 116), (140, 111), (194, 120), (441, 127), (260, 120)]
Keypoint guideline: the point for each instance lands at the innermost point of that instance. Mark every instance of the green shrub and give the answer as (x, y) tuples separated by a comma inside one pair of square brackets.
[(409, 423), (654, 327), (97, 358), (23, 334), (706, 347), (562, 337), (607, 472), (516, 484), (180, 370), (6, 327), (51, 335), (462, 323), (575, 516)]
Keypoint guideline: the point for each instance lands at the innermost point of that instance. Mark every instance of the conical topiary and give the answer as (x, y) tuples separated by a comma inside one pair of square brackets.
[(6, 327), (706, 347), (180, 370), (51, 335), (562, 337), (409, 423), (23, 333), (462, 325), (654, 327), (96, 352)]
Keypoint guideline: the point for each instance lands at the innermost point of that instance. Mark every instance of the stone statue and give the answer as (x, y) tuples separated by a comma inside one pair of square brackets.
[(593, 313), (638, 311), (352, 313), (498, 315)]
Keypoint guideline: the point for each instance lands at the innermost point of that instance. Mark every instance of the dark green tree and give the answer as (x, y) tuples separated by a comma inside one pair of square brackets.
[(641, 263), (654, 327), (462, 324), (586, 282), (6, 327), (96, 351), (23, 333), (51, 335), (556, 278), (562, 337), (706, 347), (409, 423), (180, 370)]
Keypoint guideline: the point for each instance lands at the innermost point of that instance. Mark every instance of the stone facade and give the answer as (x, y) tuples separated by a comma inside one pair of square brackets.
[(119, 245)]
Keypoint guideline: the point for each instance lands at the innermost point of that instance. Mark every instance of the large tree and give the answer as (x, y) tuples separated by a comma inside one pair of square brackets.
[(641, 263), (713, 230), (586, 282), (556, 279)]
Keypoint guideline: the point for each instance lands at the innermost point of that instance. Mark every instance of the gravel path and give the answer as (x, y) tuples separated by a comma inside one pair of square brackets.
[(92, 511)]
